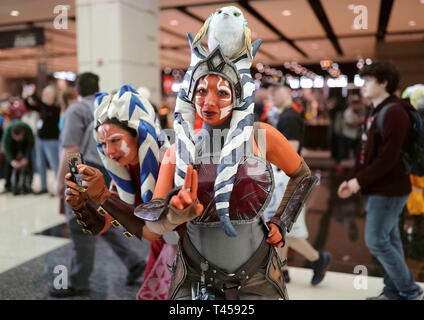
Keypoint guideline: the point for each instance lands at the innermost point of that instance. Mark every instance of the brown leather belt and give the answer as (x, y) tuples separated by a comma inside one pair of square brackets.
[(229, 283)]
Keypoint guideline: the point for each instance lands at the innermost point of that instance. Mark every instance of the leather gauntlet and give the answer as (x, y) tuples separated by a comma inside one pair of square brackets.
[(124, 213), (298, 189), (88, 217), (295, 179)]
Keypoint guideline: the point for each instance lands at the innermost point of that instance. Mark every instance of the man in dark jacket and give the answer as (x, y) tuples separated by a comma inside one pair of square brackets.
[(380, 175), (18, 142)]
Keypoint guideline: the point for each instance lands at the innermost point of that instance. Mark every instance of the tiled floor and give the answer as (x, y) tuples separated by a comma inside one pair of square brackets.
[(335, 286), (27, 257), (21, 217)]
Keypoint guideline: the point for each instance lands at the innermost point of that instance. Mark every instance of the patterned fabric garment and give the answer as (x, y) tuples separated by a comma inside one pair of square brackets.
[(156, 284), (131, 107)]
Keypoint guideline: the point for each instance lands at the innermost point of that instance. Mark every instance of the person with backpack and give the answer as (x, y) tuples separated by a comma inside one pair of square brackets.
[(380, 174), (415, 202)]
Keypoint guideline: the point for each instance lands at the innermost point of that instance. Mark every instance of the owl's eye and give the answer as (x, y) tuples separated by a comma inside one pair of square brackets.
[(220, 11), (236, 14)]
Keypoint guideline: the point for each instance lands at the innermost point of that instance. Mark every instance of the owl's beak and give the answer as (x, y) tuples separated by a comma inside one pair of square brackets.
[(226, 15)]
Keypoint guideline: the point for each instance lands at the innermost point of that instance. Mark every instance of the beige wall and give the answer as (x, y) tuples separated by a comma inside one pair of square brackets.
[(119, 41)]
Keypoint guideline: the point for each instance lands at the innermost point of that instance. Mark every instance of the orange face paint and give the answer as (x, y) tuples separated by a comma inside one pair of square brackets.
[(213, 99)]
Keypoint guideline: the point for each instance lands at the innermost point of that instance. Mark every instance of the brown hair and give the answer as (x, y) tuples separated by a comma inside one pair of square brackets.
[(121, 124), (68, 95)]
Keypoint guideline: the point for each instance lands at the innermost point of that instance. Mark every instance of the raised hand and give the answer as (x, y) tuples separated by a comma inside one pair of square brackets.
[(186, 198)]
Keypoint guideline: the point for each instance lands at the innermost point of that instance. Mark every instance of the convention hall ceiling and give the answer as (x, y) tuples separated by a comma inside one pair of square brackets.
[(305, 31)]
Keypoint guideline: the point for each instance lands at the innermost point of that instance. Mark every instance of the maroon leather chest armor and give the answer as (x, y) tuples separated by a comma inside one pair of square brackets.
[(253, 187)]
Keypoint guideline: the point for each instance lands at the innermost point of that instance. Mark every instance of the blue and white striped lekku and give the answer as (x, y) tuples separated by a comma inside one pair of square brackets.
[(129, 106), (240, 131)]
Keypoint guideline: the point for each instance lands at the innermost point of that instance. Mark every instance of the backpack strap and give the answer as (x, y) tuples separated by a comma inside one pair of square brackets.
[(380, 117)]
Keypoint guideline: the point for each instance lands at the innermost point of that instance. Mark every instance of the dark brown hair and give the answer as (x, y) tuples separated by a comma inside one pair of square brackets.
[(121, 124), (383, 71)]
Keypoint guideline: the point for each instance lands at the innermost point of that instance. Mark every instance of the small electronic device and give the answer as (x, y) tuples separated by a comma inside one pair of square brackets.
[(74, 159)]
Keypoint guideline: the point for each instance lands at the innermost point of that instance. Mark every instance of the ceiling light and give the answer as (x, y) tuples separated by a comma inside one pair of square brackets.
[(294, 83), (358, 81), (306, 83), (14, 13), (65, 75), (412, 23), (173, 23), (286, 13), (319, 82)]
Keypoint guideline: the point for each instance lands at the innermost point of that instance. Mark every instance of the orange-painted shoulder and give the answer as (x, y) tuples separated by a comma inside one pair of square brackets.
[(278, 149)]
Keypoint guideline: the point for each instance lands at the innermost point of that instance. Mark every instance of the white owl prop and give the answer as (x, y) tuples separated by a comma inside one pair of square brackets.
[(227, 28)]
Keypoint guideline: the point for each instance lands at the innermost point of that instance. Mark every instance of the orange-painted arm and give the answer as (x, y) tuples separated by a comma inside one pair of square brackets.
[(165, 182), (279, 151)]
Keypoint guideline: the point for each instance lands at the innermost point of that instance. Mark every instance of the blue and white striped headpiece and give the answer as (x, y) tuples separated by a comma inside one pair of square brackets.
[(241, 125), (136, 111)]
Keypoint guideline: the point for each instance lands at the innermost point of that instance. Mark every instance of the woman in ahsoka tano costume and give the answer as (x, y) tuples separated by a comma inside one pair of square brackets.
[(224, 247), (129, 142)]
